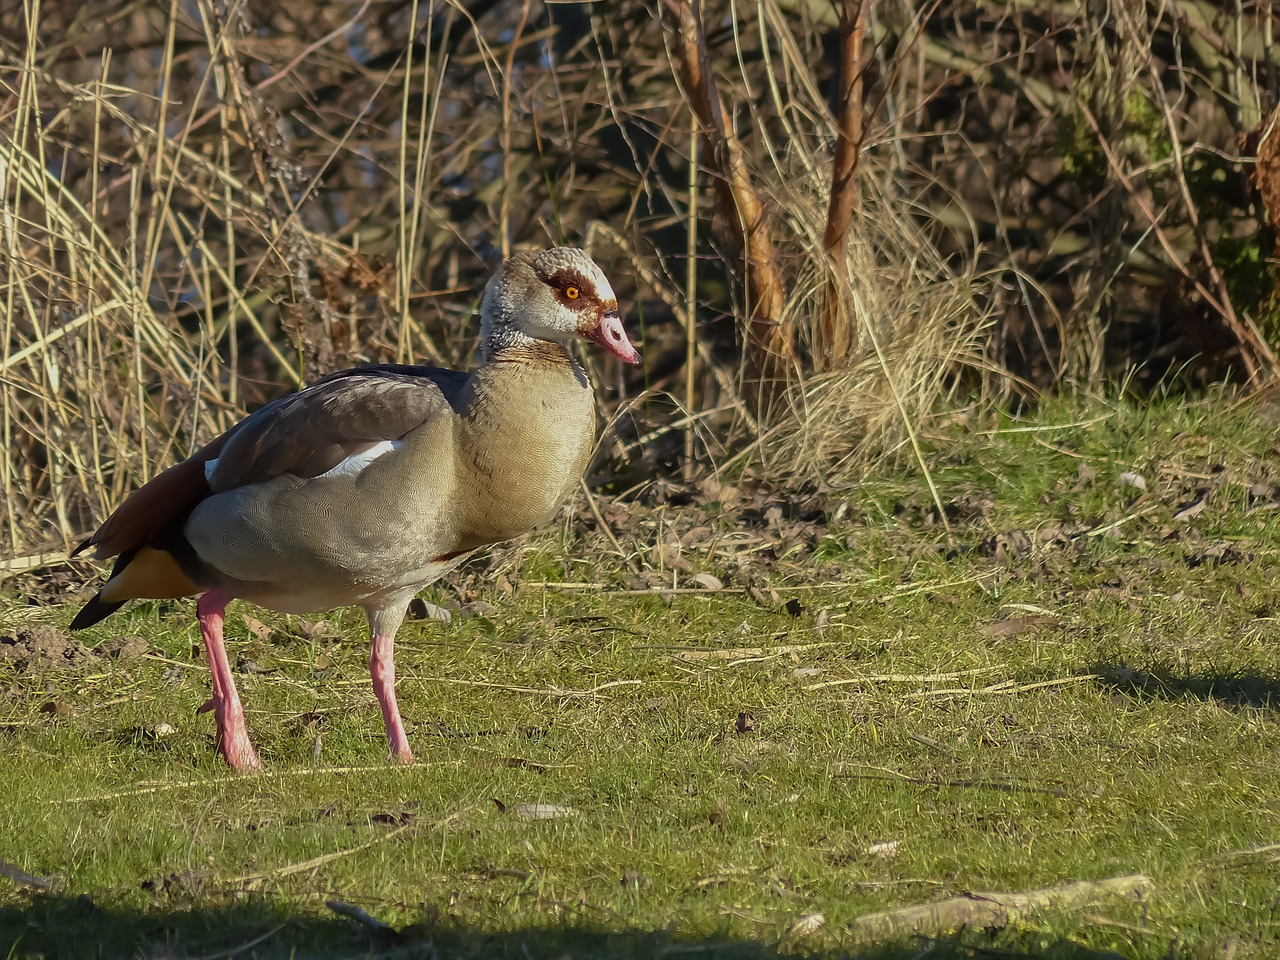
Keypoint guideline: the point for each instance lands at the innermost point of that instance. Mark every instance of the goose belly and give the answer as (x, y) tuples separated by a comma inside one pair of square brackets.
[(339, 542)]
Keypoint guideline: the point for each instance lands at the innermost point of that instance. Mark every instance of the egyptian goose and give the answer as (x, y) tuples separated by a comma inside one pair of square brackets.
[(371, 483)]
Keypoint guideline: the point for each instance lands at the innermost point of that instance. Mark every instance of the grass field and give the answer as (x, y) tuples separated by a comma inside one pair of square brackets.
[(1070, 674)]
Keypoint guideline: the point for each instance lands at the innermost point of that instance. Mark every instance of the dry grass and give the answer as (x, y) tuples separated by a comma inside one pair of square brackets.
[(203, 204), (920, 337)]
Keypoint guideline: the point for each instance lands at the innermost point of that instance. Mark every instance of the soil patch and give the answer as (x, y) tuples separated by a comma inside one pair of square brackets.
[(42, 646)]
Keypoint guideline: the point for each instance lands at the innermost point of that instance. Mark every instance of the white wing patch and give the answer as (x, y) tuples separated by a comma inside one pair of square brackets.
[(351, 465), (358, 461)]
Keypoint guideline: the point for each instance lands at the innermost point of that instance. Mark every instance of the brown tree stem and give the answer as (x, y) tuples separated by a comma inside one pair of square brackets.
[(838, 333), (769, 338), (844, 164)]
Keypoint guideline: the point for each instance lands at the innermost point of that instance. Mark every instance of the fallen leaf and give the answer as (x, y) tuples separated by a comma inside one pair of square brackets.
[(770, 600), (634, 880), (256, 627), (364, 918), (543, 811), (187, 881), (806, 924), (718, 816), (246, 665), (1007, 546), (1008, 627), (397, 818), (883, 849), (22, 877), (420, 609), (317, 629), (707, 581), (1135, 480), (125, 648), (1194, 508)]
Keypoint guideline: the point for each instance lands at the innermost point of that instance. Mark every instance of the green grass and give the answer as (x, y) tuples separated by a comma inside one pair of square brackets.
[(1128, 725)]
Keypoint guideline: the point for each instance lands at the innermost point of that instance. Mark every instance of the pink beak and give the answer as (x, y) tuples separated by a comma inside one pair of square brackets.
[(610, 335)]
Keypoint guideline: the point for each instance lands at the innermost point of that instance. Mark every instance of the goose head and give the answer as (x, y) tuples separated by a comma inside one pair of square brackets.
[(558, 295)]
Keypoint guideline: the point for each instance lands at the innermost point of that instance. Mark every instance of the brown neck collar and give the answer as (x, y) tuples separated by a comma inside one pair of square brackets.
[(533, 351)]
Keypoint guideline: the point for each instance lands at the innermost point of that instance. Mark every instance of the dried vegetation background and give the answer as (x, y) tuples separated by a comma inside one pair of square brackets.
[(830, 222)]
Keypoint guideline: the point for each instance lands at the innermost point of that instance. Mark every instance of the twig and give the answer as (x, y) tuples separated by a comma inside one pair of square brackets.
[(691, 296), (901, 678), (312, 48), (242, 947), (1004, 686), (996, 909), (844, 164), (729, 653), (1243, 328), (359, 915), (844, 168), (1268, 849), (600, 522), (1253, 351), (32, 561), (772, 348), (535, 691), (320, 861), (644, 591), (1000, 786), (23, 878), (144, 789)]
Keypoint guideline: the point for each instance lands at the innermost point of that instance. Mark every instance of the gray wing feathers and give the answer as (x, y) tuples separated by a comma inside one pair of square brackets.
[(310, 432)]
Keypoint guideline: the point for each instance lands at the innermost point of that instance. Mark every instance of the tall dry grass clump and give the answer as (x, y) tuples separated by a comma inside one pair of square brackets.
[(914, 335)]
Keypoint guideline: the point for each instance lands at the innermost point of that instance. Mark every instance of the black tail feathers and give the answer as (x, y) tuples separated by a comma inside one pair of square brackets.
[(95, 610)]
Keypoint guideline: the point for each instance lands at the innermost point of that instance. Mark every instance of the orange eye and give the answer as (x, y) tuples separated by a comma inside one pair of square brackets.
[(573, 293)]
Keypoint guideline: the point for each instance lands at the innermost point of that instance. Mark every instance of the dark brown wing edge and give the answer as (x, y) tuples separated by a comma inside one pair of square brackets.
[(142, 517)]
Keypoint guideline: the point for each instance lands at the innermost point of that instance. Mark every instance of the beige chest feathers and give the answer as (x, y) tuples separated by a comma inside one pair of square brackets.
[(523, 451)]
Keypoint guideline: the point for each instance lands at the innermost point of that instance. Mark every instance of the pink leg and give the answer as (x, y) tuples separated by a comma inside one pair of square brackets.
[(214, 676), (382, 666), (233, 735)]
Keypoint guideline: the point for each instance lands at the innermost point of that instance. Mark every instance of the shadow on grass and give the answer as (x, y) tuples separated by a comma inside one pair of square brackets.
[(1232, 690), (58, 927)]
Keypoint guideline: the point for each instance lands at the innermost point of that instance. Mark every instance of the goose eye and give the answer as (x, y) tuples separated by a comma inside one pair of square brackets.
[(572, 292)]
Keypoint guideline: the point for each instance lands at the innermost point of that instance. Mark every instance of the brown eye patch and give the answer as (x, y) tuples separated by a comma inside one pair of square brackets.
[(571, 288)]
